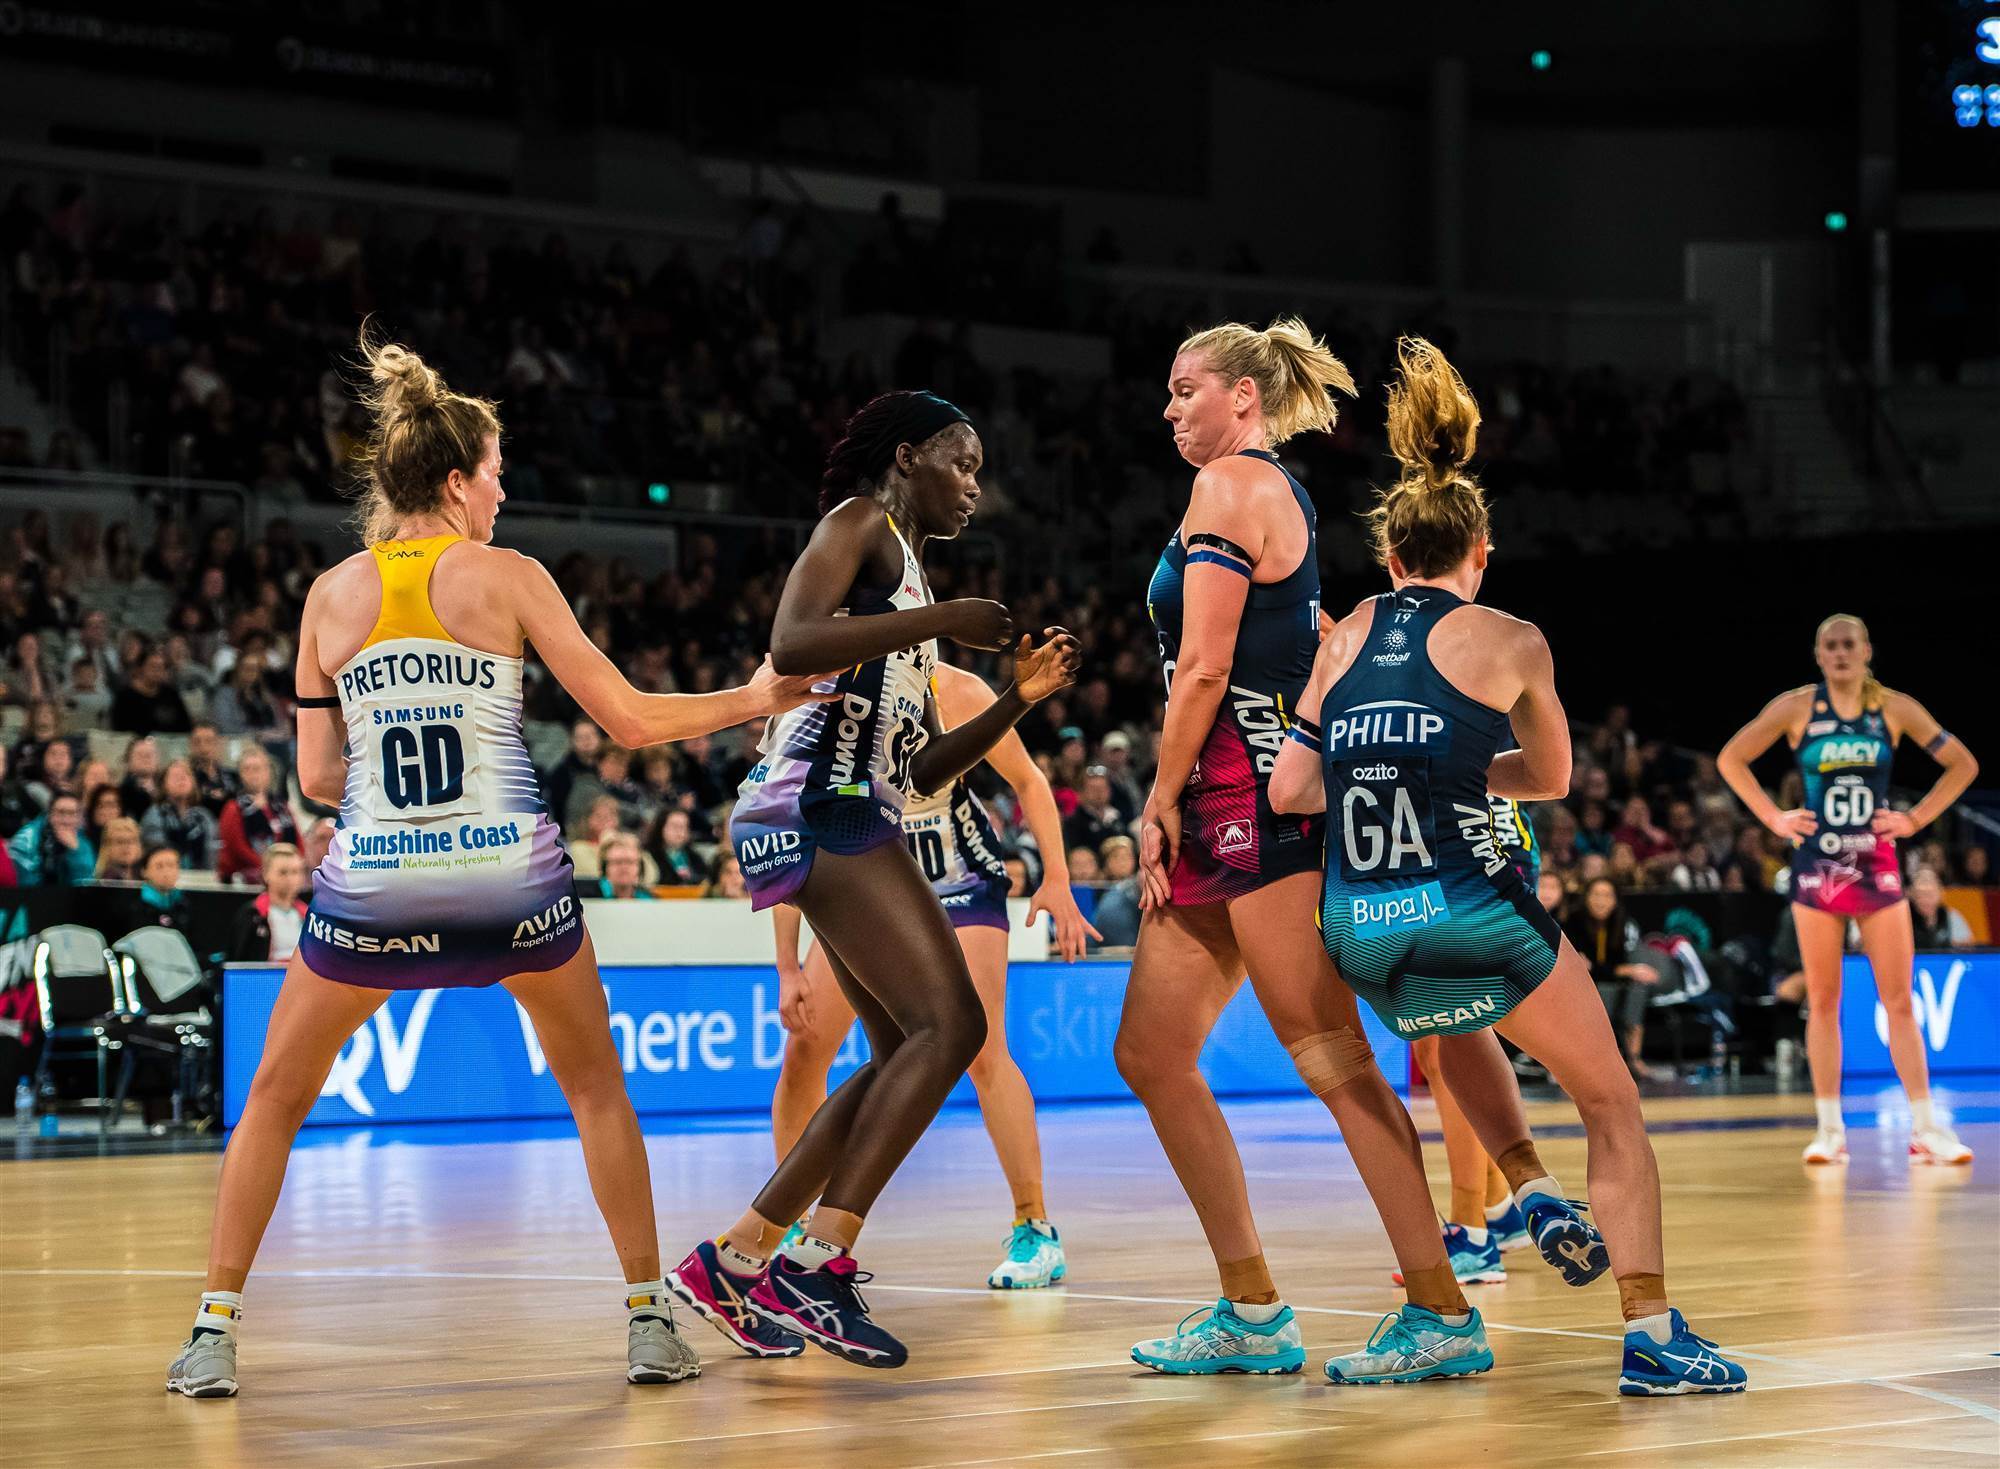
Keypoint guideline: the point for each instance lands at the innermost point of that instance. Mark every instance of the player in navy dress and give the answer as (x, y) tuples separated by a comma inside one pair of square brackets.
[(1844, 731), (1414, 696), (1227, 881)]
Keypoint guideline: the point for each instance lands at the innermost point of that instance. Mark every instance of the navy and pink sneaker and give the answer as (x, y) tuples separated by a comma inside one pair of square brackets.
[(723, 1299), (824, 1307)]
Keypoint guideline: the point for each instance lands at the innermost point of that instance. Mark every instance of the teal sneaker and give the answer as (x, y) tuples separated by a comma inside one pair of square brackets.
[(1415, 1345), (1474, 1262), (1221, 1341), (1566, 1239), (1034, 1258)]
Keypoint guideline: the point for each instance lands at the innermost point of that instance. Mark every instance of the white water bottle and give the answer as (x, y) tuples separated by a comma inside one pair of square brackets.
[(24, 1102)]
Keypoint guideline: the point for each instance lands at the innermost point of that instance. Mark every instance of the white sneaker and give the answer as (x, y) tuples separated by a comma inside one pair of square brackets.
[(1034, 1258), (1938, 1144), (1211, 1342), (1829, 1145)]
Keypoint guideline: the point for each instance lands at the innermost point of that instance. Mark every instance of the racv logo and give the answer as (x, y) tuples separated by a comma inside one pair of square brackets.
[(1933, 1006), (397, 1046)]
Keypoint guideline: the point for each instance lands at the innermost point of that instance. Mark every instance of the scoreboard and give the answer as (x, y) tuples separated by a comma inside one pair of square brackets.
[(1948, 94)]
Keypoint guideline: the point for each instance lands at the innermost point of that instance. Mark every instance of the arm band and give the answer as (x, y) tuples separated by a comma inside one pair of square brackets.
[(1306, 733), (1939, 740), (329, 701), (1217, 551)]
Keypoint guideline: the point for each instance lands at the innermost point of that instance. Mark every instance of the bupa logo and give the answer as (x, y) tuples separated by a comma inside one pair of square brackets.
[(1933, 1008), (398, 1047), (1410, 908)]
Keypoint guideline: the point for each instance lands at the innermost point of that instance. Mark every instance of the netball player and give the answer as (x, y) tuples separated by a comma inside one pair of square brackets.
[(1844, 730), (1411, 700), (949, 835), (1227, 882), (447, 869), (818, 824)]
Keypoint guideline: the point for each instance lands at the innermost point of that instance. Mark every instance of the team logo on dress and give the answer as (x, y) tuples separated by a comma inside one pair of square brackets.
[(1233, 836), (1395, 640), (1829, 842)]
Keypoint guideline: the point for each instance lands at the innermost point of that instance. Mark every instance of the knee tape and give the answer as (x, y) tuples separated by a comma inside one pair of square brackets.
[(1331, 1059)]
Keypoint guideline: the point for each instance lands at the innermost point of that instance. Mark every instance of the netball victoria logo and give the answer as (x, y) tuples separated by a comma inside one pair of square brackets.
[(398, 1046), (1396, 645), (1933, 1005)]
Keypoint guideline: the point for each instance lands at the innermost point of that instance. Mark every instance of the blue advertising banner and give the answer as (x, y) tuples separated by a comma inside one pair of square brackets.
[(708, 1039), (1956, 997)]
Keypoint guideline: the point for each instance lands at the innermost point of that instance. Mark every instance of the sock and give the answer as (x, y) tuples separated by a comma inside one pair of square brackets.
[(219, 1311), (1829, 1114), (1659, 1329), (1496, 1212), (812, 1252), (1435, 1288), (1921, 1115), (1258, 1313), (646, 1298), (739, 1262), (1521, 1164), (838, 1227), (1498, 1194), (1036, 1223), (1248, 1279), (1642, 1297), (1468, 1205), (1545, 1184), (1477, 1236), (750, 1241)]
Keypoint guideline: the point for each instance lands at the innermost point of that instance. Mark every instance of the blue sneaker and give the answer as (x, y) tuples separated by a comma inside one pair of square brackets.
[(1221, 1341), (1473, 1263), (825, 1307), (1566, 1239), (1684, 1363), (723, 1300), (1034, 1258), (1508, 1228), (1415, 1345)]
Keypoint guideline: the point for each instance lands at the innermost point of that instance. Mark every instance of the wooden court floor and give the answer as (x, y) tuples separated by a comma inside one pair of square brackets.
[(454, 1303)]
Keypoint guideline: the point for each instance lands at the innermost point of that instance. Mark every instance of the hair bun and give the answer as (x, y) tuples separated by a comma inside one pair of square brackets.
[(404, 382)]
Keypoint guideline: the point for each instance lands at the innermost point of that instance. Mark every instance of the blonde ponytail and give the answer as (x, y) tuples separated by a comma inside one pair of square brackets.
[(1435, 513), (421, 431), (1295, 372)]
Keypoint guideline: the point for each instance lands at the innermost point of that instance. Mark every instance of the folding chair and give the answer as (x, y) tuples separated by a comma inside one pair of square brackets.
[(166, 1010), (81, 997)]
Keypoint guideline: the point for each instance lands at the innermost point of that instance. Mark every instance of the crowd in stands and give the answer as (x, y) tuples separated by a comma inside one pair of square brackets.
[(635, 363)]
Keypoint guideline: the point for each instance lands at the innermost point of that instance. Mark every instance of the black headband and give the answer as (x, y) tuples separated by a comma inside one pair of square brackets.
[(917, 417)]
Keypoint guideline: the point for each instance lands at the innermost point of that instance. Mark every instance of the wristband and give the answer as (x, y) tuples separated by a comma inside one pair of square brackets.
[(1938, 741)]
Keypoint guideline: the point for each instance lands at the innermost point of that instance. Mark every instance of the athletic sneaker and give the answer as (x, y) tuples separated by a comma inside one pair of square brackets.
[(656, 1352), (1938, 1144), (1566, 1239), (1222, 1341), (1829, 1145), (825, 1308), (206, 1366), (792, 1236), (723, 1300), (1506, 1226), (1034, 1258), (1684, 1363), (1414, 1345), (1473, 1264)]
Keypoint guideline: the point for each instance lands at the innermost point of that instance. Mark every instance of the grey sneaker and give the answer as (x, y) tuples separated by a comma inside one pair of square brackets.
[(655, 1352), (206, 1367)]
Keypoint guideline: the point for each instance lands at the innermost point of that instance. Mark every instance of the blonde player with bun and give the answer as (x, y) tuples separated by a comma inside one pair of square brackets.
[(409, 688), (1404, 734), (1227, 880), (1844, 731)]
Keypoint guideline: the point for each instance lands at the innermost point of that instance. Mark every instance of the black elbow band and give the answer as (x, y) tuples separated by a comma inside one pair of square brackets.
[(1306, 733), (326, 701), (1938, 741)]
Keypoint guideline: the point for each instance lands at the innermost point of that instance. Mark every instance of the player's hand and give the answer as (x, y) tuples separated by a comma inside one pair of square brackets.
[(1159, 850), (1795, 826), (794, 999), (978, 623), (775, 693), (1895, 824), (1056, 900), (1049, 669)]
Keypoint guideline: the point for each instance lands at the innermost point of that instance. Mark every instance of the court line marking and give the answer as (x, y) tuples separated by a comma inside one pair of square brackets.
[(1835, 1378), (1694, 1443)]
